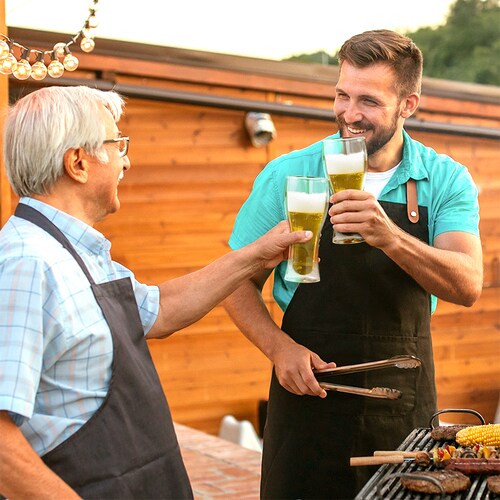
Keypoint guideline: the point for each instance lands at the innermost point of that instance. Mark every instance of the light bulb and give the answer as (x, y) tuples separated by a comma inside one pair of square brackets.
[(88, 32), (38, 70), (92, 22), (4, 50), (22, 71), (55, 69), (8, 64), (87, 44), (60, 49), (70, 62)]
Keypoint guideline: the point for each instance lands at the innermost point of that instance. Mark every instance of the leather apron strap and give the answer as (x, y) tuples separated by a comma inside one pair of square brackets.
[(412, 201)]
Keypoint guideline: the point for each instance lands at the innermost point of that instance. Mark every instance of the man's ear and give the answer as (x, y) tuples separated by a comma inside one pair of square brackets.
[(75, 165), (410, 105)]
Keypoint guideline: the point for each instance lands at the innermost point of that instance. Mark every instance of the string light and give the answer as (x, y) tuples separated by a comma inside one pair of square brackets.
[(59, 49), (39, 70), (87, 44), (4, 49), (60, 55), (55, 68), (8, 62), (70, 61), (22, 70)]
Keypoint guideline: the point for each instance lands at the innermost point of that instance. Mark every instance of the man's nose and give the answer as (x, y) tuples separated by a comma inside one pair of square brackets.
[(352, 113), (126, 162)]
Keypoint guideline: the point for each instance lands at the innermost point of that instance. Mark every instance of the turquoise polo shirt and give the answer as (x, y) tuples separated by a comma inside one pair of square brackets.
[(444, 186)]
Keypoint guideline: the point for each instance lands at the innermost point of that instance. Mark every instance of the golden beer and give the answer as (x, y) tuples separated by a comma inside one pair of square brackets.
[(305, 254), (340, 182), (306, 206), (346, 171), (345, 162)]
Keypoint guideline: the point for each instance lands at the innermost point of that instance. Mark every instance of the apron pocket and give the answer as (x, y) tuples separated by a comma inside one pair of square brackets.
[(347, 349)]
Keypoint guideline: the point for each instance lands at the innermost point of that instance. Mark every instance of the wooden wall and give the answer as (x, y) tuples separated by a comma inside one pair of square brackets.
[(192, 168), (5, 197)]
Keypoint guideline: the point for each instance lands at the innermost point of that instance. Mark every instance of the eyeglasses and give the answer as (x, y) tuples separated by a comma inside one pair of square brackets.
[(122, 145)]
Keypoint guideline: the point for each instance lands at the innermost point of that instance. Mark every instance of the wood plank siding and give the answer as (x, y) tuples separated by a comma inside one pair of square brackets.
[(193, 166)]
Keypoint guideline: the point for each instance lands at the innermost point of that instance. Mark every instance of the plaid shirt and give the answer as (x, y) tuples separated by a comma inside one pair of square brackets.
[(56, 348)]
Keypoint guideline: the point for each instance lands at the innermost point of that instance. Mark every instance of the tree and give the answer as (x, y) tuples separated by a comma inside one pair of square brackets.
[(467, 47), (317, 57)]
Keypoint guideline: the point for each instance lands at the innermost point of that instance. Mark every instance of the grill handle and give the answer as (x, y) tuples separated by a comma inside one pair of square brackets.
[(456, 410), (380, 460)]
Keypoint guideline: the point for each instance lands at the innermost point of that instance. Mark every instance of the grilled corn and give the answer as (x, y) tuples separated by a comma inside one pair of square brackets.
[(488, 435)]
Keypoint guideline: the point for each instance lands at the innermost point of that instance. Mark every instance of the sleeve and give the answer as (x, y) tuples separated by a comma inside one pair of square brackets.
[(21, 335), (146, 296), (148, 302), (262, 210), (459, 207)]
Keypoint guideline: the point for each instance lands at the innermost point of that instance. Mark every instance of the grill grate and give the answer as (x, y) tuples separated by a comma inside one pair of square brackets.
[(385, 485)]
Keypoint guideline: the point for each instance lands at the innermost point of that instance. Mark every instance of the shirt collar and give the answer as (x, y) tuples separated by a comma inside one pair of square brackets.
[(411, 166), (80, 235)]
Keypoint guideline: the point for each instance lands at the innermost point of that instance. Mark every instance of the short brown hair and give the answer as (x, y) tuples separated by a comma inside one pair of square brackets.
[(385, 46)]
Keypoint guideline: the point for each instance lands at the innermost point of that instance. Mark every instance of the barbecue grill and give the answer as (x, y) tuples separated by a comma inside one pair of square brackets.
[(385, 483)]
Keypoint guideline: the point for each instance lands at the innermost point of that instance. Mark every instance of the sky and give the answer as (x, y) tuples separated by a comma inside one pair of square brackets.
[(268, 29)]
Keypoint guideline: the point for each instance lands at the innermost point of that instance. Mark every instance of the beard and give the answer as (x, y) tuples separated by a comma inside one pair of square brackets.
[(381, 135)]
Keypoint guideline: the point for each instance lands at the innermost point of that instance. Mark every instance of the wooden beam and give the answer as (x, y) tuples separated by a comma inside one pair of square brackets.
[(5, 191)]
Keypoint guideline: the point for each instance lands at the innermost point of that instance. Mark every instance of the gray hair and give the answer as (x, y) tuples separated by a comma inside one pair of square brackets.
[(43, 125)]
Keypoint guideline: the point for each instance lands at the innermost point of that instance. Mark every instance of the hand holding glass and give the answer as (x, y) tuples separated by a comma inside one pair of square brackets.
[(345, 162), (306, 200)]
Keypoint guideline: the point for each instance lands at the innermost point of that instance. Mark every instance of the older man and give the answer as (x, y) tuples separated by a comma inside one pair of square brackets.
[(82, 411)]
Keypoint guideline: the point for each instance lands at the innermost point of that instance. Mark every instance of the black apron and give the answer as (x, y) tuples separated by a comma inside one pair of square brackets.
[(128, 448), (367, 309)]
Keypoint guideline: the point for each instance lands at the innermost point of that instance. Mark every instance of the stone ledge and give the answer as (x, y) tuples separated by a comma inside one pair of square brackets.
[(218, 468)]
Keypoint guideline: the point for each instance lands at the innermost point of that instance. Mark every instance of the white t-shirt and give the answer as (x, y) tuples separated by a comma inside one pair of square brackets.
[(376, 181)]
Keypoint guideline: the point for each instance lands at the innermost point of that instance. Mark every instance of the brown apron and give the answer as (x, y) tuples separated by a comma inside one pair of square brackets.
[(128, 448), (367, 310)]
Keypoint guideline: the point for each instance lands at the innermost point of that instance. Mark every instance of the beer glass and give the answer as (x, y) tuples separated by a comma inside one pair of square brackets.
[(306, 202), (345, 162)]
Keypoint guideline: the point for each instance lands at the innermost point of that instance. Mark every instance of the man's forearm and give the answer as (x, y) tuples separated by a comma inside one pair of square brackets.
[(23, 474), (248, 311), (186, 299), (451, 270), (293, 363)]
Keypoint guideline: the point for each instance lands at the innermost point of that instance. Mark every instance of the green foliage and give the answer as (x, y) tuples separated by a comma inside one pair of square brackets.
[(467, 47), (317, 57)]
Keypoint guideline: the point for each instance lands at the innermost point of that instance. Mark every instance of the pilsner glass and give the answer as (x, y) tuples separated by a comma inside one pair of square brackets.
[(306, 202), (345, 162)]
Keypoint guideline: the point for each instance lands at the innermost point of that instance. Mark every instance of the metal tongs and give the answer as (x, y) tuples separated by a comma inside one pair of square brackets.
[(376, 392)]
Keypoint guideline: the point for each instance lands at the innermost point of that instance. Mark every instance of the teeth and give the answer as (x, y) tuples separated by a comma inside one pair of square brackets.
[(356, 130)]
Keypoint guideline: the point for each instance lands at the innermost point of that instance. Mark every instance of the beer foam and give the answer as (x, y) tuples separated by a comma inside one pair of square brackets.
[(306, 202), (345, 164)]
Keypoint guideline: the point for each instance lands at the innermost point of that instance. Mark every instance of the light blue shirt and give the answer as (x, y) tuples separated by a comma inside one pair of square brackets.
[(56, 348), (444, 186)]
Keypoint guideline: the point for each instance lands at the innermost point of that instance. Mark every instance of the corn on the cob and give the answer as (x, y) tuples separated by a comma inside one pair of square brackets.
[(488, 435)]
